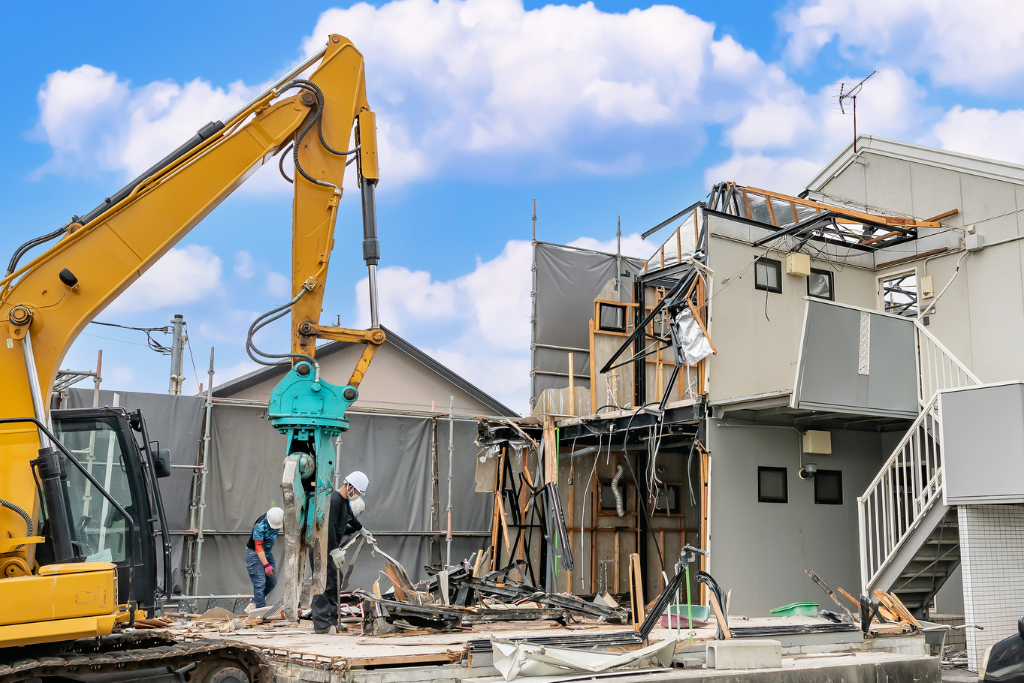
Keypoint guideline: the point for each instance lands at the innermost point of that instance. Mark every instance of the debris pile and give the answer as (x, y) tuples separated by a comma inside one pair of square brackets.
[(460, 596)]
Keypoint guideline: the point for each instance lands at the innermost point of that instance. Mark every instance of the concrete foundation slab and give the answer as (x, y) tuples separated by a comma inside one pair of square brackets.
[(752, 653)]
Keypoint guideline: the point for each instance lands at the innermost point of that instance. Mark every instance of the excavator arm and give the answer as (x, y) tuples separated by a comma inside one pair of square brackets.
[(46, 303)]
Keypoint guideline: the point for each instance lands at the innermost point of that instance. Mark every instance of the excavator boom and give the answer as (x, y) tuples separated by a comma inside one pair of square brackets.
[(46, 303)]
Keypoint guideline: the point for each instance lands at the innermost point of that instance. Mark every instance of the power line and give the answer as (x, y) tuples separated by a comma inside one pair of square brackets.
[(153, 344), (188, 342)]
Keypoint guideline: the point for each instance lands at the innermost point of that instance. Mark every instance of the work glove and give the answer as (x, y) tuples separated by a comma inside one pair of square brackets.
[(268, 570), (366, 534), (338, 555)]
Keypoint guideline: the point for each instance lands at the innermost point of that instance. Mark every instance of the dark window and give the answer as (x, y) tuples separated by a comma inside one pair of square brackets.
[(668, 500), (828, 487), (820, 284), (608, 496), (772, 486), (768, 275), (611, 318)]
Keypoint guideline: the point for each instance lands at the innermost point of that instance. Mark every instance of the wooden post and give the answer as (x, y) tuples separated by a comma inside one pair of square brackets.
[(496, 515), (593, 372), (616, 565), (550, 451), (572, 388), (636, 590), (568, 525)]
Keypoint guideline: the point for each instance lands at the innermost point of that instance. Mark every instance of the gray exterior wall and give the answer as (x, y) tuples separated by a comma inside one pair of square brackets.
[(983, 444), (830, 374), (980, 319), (760, 550), (757, 353), (394, 380)]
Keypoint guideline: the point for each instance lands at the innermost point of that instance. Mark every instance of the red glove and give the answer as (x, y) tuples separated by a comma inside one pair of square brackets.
[(268, 570)]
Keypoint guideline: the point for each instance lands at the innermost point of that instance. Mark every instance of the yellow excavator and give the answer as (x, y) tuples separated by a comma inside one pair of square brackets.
[(84, 548)]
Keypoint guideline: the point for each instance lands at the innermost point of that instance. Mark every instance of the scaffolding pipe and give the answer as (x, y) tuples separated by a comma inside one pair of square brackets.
[(533, 309), (202, 472), (435, 496), (451, 457)]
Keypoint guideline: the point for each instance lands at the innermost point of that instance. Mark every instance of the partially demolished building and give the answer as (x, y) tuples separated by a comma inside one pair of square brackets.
[(829, 412)]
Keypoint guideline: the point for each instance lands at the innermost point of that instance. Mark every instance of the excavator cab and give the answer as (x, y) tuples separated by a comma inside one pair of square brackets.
[(114, 447)]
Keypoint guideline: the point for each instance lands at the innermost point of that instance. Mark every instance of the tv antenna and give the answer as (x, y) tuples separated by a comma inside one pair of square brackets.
[(851, 95)]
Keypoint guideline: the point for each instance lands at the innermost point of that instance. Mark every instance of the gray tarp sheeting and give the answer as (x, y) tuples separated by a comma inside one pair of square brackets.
[(245, 479), (568, 281)]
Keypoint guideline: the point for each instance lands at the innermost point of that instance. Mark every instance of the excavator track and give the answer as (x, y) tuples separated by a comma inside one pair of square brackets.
[(200, 661)]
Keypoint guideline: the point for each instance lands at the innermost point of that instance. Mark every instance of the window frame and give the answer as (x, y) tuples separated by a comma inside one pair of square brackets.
[(831, 284), (601, 305), (761, 497), (842, 495), (771, 263)]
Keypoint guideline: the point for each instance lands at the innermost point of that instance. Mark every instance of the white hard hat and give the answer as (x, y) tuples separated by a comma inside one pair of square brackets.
[(357, 505), (358, 481), (275, 518)]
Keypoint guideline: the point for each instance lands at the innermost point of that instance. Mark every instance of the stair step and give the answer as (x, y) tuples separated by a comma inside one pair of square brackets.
[(924, 574)]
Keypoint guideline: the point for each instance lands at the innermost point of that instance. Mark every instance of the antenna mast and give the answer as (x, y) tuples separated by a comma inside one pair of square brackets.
[(851, 95)]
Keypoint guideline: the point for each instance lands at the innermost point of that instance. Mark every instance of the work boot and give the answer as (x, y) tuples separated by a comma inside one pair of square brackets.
[(251, 606)]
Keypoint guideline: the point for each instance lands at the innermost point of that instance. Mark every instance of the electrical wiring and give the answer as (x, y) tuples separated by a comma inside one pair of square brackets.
[(150, 342), (188, 342)]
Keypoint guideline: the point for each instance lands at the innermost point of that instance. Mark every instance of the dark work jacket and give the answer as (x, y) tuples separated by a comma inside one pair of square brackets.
[(341, 522)]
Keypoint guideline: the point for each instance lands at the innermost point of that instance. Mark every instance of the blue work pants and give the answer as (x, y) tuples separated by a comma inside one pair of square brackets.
[(262, 585)]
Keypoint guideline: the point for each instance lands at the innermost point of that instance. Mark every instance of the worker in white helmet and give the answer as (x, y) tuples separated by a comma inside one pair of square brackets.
[(259, 560), (342, 523)]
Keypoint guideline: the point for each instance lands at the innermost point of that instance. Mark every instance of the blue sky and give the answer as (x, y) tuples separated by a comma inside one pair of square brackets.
[(598, 110)]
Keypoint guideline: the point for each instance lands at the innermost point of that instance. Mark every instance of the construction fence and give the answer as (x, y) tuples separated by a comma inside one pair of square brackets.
[(405, 456)]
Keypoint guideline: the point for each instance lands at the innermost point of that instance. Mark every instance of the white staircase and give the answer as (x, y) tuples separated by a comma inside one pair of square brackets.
[(909, 543)]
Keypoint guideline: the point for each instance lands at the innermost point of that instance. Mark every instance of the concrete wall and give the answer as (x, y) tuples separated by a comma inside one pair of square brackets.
[(758, 343), (760, 550), (394, 380), (980, 319)]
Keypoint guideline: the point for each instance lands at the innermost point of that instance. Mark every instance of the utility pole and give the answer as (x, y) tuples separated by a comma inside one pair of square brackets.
[(176, 351)]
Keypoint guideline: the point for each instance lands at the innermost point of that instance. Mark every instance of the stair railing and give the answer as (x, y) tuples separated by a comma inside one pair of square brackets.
[(911, 480), (896, 500), (937, 368)]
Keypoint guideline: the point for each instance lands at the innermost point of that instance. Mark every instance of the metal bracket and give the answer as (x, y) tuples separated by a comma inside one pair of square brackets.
[(343, 334)]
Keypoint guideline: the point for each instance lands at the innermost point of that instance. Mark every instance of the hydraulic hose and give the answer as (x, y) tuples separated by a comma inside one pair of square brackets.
[(28, 520), (263, 321)]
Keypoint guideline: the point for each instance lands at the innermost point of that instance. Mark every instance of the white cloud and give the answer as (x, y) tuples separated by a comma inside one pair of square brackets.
[(182, 276), (479, 76), (780, 142), (972, 45), (244, 265), (983, 132), (278, 285), (457, 84), (91, 119), (779, 173), (482, 317), (632, 245)]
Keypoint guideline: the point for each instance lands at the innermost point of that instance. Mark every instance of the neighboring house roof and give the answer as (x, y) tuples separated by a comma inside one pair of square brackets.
[(261, 375), (940, 158)]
